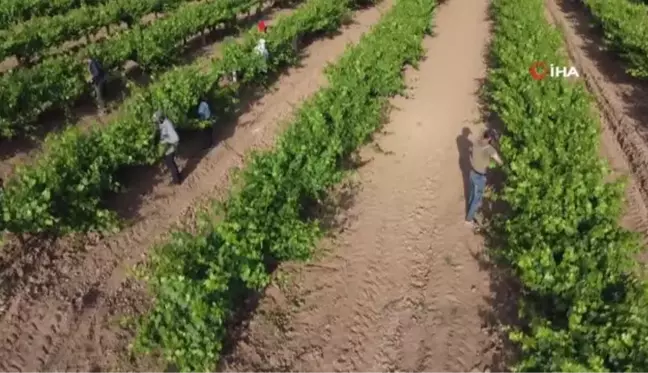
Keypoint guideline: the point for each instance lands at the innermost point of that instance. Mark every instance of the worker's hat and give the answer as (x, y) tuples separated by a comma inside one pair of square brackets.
[(261, 26)]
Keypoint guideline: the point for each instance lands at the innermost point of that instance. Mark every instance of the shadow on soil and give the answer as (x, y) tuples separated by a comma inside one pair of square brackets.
[(117, 90), (140, 181), (611, 66), (464, 147)]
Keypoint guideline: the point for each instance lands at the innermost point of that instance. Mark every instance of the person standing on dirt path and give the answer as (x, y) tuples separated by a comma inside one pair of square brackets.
[(205, 114), (482, 154), (98, 82), (168, 137)]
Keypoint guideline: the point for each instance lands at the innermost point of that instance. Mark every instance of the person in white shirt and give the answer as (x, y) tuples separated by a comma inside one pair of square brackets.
[(261, 49), (168, 137)]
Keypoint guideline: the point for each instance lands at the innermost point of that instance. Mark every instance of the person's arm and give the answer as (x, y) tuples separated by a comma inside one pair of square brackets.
[(96, 71), (497, 158), (172, 135), (165, 136), (93, 71)]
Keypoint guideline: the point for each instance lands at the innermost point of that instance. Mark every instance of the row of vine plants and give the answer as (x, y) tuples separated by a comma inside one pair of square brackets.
[(583, 301), (625, 25), (63, 189), (197, 280), (31, 38), (59, 82), (16, 11)]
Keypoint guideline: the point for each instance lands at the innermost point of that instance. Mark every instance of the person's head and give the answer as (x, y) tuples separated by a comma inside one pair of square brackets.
[(488, 136), (261, 26), (262, 41), (158, 117)]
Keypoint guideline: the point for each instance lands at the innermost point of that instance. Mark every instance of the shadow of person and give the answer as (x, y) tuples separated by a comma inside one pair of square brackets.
[(464, 147)]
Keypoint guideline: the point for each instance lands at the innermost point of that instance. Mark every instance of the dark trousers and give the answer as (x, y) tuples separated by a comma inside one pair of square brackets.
[(169, 161), (100, 88), (210, 134)]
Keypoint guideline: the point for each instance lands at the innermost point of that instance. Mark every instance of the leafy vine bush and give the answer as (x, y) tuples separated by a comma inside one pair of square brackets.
[(62, 190), (626, 29), (583, 297), (198, 279), (30, 38), (16, 11), (58, 82)]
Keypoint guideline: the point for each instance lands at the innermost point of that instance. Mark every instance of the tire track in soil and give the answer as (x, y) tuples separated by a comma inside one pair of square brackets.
[(68, 328), (620, 103), (403, 290)]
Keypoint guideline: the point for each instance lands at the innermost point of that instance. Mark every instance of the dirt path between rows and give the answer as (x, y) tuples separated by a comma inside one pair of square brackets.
[(402, 287), (62, 318), (621, 102)]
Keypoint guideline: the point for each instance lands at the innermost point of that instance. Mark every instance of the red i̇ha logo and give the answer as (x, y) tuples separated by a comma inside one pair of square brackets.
[(539, 70)]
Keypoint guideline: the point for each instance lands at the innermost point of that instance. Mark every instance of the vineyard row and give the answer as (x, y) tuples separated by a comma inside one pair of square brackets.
[(32, 38), (63, 189), (16, 11), (197, 280), (58, 82), (584, 304)]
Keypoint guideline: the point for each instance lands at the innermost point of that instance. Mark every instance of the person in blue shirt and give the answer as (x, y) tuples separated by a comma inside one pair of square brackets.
[(205, 114), (98, 82)]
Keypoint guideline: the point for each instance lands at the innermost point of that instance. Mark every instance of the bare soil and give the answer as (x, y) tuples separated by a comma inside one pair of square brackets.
[(621, 103), (68, 299), (404, 284)]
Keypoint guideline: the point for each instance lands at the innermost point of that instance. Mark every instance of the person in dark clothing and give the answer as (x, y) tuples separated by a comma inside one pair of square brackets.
[(168, 137), (205, 114), (99, 82)]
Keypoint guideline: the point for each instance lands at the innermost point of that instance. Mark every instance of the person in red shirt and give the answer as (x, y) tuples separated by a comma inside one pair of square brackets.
[(260, 48)]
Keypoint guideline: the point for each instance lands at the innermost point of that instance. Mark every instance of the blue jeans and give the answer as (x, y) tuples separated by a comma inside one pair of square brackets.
[(477, 186)]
